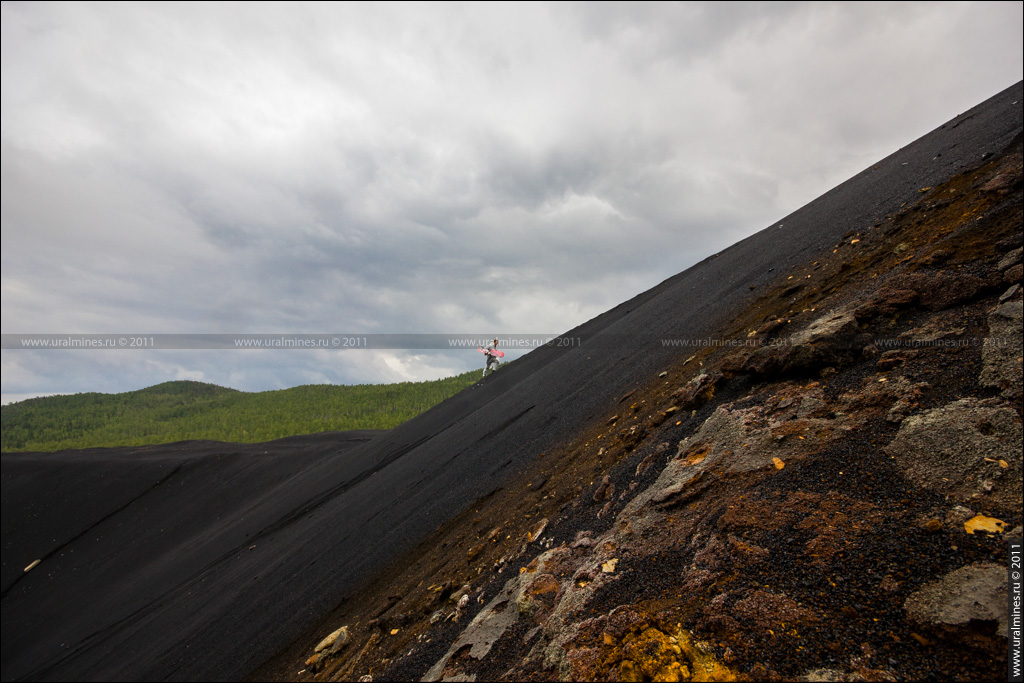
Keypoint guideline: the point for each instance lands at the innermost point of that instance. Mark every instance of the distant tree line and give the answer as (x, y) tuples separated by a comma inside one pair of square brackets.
[(175, 411)]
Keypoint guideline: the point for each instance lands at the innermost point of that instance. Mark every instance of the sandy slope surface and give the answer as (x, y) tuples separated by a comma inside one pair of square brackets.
[(202, 560)]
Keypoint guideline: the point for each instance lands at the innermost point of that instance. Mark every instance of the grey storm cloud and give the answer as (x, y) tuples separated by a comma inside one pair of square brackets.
[(357, 167)]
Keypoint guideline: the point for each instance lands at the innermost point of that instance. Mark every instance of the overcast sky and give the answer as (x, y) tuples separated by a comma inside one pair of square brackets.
[(426, 168)]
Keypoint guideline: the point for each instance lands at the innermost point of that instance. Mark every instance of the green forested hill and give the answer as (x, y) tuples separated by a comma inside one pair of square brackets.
[(175, 411)]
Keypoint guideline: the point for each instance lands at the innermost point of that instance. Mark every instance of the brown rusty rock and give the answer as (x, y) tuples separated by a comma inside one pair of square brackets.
[(622, 620), (605, 490), (539, 595), (887, 300), (697, 391), (832, 340)]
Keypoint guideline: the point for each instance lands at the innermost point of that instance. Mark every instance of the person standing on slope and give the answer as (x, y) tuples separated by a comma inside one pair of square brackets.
[(492, 357)]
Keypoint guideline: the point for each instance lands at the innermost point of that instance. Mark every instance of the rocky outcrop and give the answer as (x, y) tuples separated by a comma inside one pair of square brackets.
[(977, 592), (833, 339), (1002, 354), (966, 451)]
